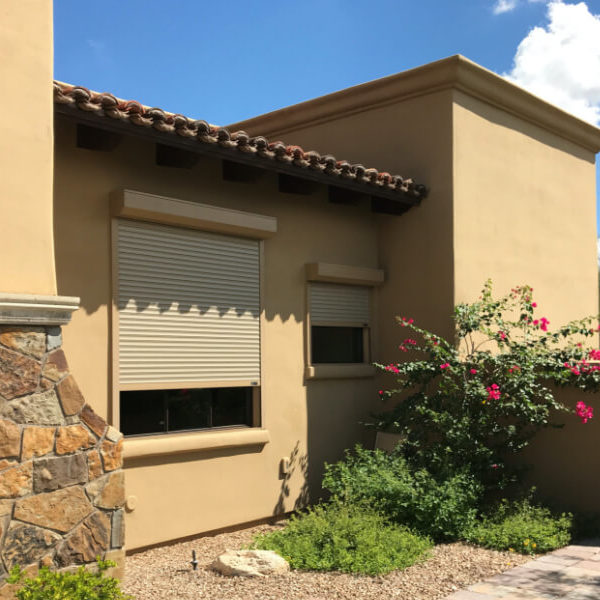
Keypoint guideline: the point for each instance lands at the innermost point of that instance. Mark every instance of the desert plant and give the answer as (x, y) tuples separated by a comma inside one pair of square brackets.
[(441, 509), (80, 585), (351, 539)]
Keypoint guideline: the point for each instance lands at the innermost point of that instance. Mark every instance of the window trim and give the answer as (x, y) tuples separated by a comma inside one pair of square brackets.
[(115, 386)]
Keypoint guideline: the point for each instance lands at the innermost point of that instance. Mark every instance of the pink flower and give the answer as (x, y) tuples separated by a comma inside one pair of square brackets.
[(493, 392), (514, 368), (584, 412), (536, 322), (473, 371), (544, 324), (392, 369), (594, 354), (444, 366), (410, 341), (380, 392), (534, 304), (494, 466), (403, 348), (502, 335)]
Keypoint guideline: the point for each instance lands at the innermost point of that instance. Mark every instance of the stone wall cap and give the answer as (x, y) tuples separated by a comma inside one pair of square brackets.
[(35, 309)]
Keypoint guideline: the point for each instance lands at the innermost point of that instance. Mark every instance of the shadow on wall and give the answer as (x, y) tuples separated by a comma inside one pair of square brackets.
[(564, 462), (297, 467)]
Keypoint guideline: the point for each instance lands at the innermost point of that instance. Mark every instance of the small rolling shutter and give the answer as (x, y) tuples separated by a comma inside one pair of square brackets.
[(339, 304), (188, 305)]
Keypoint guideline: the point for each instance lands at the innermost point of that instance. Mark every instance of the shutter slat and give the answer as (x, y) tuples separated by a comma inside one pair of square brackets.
[(213, 279), (334, 303)]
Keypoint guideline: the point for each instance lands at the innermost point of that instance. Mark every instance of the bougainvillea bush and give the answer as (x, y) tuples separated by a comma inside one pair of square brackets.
[(471, 402)]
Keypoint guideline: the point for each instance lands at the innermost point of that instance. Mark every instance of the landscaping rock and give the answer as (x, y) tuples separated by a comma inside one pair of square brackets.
[(71, 398), (16, 481), (250, 563), (53, 473), (10, 439), (87, 541), (37, 441), (19, 375), (26, 544), (60, 510), (41, 409), (72, 438)]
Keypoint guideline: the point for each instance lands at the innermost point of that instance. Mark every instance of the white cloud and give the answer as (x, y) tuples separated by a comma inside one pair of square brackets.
[(561, 61), (504, 6)]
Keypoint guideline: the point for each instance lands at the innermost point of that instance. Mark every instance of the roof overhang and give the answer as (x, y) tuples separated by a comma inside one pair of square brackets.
[(391, 194)]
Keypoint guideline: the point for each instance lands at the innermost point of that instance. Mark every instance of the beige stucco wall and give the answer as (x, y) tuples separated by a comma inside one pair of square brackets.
[(412, 138), (26, 147), (191, 493), (510, 199), (525, 213)]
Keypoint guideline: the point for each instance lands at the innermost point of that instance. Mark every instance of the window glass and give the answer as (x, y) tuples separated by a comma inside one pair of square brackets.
[(163, 411), (337, 344)]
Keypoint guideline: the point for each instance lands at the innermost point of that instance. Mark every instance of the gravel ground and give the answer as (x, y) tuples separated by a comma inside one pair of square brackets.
[(165, 573)]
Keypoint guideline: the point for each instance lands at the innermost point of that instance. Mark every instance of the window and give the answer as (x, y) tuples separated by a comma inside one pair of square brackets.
[(188, 306), (339, 323), (163, 411)]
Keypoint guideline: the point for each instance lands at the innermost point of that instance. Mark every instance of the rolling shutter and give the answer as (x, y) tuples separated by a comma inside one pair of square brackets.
[(188, 306), (339, 304)]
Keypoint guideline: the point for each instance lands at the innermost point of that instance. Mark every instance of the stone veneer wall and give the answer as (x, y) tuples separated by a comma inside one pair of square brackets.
[(61, 483)]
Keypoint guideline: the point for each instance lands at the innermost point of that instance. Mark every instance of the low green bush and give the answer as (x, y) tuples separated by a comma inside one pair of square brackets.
[(522, 527), (80, 585), (440, 509), (351, 539)]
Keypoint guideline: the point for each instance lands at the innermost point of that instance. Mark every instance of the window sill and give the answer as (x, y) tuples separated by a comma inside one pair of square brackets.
[(181, 443), (342, 371)]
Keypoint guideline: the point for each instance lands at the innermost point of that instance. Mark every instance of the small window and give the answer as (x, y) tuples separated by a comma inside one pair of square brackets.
[(164, 411), (337, 344), (340, 323)]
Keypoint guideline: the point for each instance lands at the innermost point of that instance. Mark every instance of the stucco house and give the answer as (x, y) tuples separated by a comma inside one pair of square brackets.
[(222, 294)]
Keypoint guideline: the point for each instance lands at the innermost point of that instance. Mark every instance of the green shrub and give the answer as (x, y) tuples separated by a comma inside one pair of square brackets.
[(81, 585), (441, 509), (351, 539), (522, 527)]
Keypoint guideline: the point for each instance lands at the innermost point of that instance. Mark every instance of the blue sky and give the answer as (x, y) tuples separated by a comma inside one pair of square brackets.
[(231, 59)]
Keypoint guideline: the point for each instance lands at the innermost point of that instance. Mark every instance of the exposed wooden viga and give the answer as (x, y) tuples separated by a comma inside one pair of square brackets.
[(61, 482)]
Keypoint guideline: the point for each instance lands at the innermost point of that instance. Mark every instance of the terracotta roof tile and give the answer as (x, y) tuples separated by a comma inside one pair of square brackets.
[(107, 105)]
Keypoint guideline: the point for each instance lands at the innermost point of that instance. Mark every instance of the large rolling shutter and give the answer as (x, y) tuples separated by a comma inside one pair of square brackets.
[(188, 305), (344, 304)]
